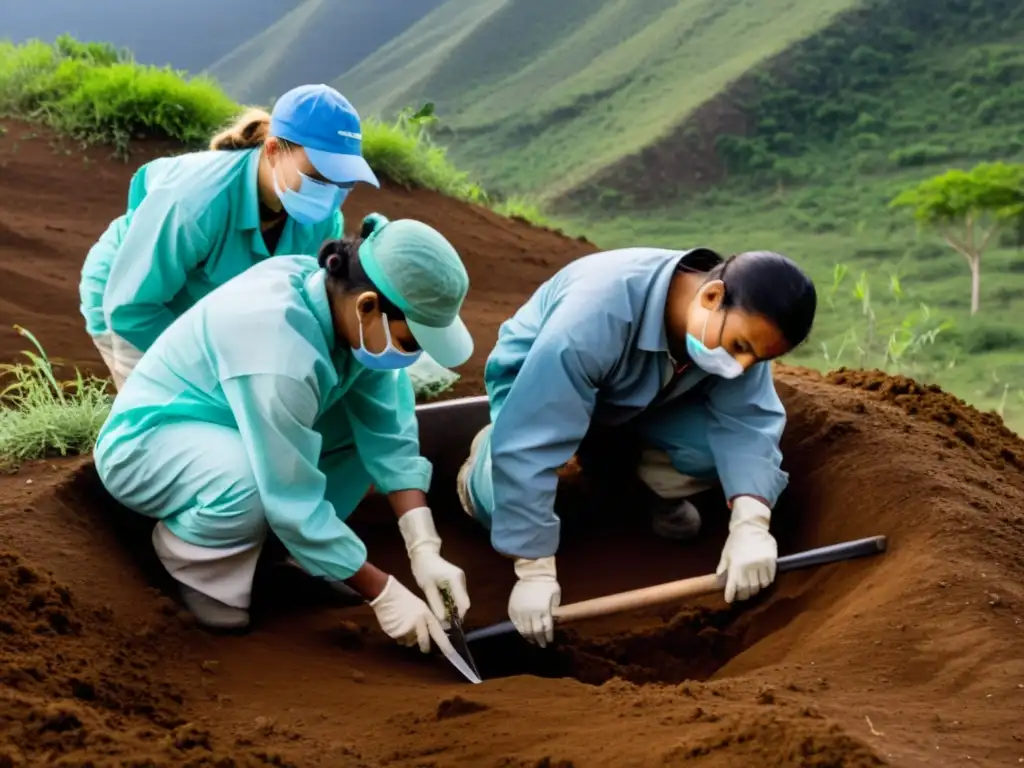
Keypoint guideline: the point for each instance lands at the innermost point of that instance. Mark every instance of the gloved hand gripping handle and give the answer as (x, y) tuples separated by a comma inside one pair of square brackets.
[(693, 587)]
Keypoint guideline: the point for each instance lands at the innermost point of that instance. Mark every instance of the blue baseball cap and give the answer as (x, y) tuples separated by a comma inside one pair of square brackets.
[(327, 126)]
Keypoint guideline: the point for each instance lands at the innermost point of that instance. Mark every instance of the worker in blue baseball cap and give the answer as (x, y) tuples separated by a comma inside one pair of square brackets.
[(269, 184)]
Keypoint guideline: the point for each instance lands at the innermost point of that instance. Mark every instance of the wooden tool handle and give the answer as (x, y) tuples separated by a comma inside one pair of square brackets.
[(692, 587), (638, 598)]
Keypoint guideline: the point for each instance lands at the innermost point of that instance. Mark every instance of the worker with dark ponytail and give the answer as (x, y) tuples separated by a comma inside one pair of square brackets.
[(269, 184), (275, 402), (670, 348)]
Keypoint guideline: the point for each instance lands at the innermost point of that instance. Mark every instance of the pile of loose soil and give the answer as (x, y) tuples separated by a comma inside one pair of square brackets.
[(912, 658)]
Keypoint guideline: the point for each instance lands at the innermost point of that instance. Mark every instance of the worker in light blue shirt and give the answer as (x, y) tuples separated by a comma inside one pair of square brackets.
[(673, 346), (274, 403), (270, 184)]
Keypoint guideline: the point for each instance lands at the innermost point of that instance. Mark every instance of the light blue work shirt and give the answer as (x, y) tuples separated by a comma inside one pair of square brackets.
[(258, 355), (192, 223), (591, 345)]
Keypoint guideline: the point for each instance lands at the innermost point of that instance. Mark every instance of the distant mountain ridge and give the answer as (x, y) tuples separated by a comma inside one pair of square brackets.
[(185, 34), (314, 42)]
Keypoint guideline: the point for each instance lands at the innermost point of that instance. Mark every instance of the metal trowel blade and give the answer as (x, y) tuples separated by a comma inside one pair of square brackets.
[(456, 635), (458, 639)]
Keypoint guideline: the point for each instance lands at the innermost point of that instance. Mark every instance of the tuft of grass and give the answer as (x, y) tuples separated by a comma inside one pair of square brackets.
[(523, 208), (100, 95), (97, 94), (404, 152), (42, 416)]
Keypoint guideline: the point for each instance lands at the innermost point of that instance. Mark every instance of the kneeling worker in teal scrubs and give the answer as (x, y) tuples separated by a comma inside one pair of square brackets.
[(275, 402), (674, 346)]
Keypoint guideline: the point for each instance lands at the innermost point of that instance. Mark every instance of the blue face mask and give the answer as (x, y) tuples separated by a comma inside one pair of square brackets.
[(717, 361), (391, 359), (314, 201)]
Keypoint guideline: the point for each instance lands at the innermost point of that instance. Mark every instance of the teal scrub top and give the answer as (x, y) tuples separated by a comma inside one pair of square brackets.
[(192, 224), (258, 354)]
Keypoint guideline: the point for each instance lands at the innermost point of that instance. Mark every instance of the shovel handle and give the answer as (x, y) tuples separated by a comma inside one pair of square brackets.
[(692, 587)]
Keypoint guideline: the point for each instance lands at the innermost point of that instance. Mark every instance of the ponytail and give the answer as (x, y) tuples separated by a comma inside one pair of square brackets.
[(249, 131)]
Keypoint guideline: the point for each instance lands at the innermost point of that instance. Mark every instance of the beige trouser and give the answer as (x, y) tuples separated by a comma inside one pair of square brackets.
[(657, 472), (223, 573), (118, 355)]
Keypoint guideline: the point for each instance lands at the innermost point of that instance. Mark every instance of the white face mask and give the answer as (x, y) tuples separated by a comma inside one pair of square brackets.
[(717, 361)]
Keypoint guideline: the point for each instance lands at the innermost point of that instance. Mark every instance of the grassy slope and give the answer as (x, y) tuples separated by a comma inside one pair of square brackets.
[(88, 90), (298, 47), (817, 188), (542, 95), (899, 90), (392, 74)]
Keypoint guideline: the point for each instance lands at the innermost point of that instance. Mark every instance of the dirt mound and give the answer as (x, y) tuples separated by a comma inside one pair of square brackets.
[(77, 688), (985, 434), (58, 198), (911, 658)]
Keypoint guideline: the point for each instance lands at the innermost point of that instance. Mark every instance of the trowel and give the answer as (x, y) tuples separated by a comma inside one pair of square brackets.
[(453, 643)]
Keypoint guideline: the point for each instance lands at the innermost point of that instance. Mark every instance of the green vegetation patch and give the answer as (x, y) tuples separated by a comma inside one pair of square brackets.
[(98, 94), (43, 416)]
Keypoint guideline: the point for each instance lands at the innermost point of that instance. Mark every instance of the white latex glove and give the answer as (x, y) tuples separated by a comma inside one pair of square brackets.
[(750, 552), (534, 599), (405, 617), (430, 570)]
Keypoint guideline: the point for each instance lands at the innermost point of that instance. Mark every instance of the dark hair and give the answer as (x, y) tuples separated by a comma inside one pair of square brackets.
[(341, 260), (768, 284), (699, 260)]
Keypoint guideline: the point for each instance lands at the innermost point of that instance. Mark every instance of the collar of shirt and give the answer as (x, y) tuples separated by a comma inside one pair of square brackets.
[(652, 336), (315, 289), (249, 218)]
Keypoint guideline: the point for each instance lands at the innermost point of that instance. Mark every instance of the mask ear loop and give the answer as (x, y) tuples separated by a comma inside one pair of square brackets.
[(707, 318), (362, 339)]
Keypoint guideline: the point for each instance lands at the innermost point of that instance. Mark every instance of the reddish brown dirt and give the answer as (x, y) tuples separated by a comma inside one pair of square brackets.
[(912, 658)]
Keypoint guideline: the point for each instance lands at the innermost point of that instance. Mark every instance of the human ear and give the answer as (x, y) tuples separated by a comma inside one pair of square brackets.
[(712, 295), (366, 303), (271, 148)]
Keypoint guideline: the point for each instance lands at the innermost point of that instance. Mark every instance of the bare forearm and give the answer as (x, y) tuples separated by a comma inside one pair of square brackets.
[(368, 581), (404, 501)]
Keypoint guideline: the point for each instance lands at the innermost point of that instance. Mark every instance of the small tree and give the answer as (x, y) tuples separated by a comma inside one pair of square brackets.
[(968, 208)]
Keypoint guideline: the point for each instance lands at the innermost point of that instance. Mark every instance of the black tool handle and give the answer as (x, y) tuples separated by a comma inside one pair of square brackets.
[(833, 553)]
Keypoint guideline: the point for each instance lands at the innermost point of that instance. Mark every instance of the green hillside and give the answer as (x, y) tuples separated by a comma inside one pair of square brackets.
[(761, 124), (391, 78), (539, 96), (313, 43), (855, 115)]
